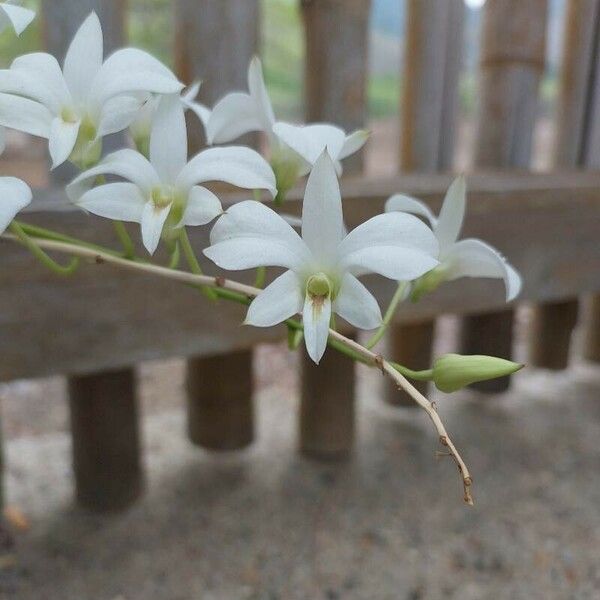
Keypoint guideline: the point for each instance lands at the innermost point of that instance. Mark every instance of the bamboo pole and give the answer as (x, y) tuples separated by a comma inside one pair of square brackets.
[(432, 62), (336, 91), (512, 63), (214, 43)]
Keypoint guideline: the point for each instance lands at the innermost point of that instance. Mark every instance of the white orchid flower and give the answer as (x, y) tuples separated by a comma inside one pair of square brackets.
[(294, 149), (14, 196), (141, 126), (17, 17), (465, 258), (323, 263), (162, 194), (76, 106)]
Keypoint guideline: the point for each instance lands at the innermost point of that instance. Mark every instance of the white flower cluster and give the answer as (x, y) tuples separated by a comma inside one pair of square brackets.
[(159, 187)]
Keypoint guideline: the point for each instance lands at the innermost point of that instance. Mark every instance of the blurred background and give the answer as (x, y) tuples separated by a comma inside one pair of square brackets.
[(252, 476)]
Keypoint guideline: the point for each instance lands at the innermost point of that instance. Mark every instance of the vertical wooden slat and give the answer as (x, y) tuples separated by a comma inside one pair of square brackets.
[(106, 441), (215, 41), (432, 62), (553, 323), (512, 64), (106, 452), (336, 91)]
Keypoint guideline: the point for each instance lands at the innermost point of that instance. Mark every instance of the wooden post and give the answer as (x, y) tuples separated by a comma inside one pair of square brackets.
[(432, 62), (106, 441), (336, 91), (216, 40), (220, 410), (512, 64), (553, 323), (327, 407), (103, 406)]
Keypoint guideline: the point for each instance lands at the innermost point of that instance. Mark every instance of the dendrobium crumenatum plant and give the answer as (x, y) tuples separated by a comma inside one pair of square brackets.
[(159, 187)]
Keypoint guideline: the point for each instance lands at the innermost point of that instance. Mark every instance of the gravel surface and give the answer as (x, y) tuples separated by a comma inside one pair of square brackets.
[(267, 524)]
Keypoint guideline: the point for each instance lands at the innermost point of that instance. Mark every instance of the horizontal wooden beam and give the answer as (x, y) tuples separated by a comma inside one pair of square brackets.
[(102, 318)]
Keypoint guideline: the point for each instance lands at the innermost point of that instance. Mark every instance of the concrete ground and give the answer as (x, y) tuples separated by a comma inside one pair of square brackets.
[(267, 524)]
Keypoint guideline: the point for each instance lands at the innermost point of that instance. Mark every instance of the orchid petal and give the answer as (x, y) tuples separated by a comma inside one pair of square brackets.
[(258, 91), (188, 99), (118, 113), (25, 115), (316, 316), (132, 70), (309, 141), (128, 164), (232, 117), (474, 258), (322, 219), (38, 76), (250, 235), (202, 207), (353, 143), (393, 262), (153, 221), (279, 301), (235, 165), (390, 229), (14, 196), (356, 304), (168, 141), (63, 137), (402, 203), (452, 214), (116, 201), (84, 58), (17, 16)]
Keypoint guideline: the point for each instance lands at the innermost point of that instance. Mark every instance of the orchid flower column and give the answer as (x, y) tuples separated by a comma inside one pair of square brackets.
[(219, 417), (103, 406), (336, 81)]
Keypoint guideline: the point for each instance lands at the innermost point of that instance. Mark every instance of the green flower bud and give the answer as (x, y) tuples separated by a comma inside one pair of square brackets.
[(88, 149), (453, 372), (428, 283), (287, 172)]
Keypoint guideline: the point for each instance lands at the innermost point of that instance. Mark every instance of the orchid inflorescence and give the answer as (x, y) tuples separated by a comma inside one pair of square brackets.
[(159, 187)]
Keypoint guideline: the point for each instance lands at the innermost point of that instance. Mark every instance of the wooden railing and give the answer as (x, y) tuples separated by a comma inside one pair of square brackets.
[(96, 329)]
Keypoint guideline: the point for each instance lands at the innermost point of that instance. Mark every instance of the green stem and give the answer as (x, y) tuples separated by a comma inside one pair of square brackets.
[(194, 265), (257, 195), (125, 239), (48, 234), (261, 275), (48, 262), (175, 255), (389, 314), (426, 375)]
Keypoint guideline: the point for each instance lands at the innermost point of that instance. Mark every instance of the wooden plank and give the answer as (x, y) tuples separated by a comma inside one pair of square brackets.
[(335, 91), (219, 400), (215, 42), (549, 342), (106, 440), (432, 62), (102, 318), (512, 63)]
